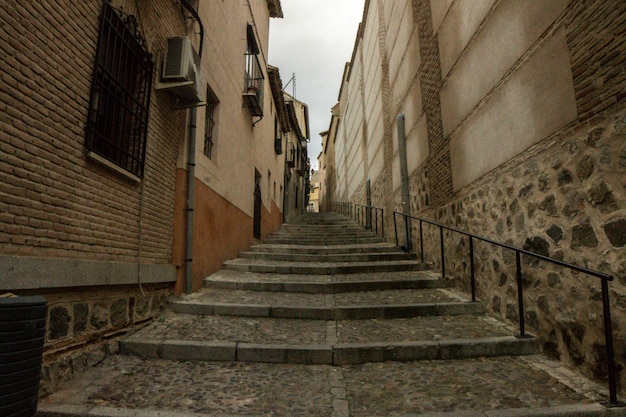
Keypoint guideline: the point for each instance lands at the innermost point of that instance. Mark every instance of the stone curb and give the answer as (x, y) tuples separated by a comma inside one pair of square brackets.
[(324, 242), (574, 410), (323, 249), (348, 257), (351, 354), (389, 311), (279, 267), (325, 287), (338, 354)]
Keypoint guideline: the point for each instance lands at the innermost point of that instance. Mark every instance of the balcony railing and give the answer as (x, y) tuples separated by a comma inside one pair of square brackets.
[(253, 93)]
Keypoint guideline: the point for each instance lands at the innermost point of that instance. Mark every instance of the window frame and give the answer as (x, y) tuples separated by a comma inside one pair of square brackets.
[(116, 130), (210, 123)]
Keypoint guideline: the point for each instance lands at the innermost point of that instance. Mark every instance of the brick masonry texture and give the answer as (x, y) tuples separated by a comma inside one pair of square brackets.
[(596, 40), (438, 164), (55, 202)]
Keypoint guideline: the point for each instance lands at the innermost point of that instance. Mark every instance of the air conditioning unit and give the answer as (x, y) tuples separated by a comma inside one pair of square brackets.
[(181, 72)]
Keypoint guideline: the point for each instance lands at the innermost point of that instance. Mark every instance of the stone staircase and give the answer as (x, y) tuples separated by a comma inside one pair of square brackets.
[(325, 291), (326, 319)]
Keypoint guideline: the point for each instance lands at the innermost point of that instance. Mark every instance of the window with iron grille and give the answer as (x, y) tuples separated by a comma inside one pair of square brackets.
[(209, 123), (278, 137), (117, 122)]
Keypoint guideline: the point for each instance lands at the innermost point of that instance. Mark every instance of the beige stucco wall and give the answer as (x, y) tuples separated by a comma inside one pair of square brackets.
[(535, 100), (239, 147)]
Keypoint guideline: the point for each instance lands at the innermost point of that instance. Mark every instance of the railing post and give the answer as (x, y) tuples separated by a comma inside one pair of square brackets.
[(407, 232), (443, 258), (472, 276), (421, 241), (610, 355), (520, 295), (382, 224), (395, 227)]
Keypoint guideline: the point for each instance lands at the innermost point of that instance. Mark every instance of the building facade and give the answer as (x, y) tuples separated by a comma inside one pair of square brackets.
[(506, 119), (95, 158), (297, 162)]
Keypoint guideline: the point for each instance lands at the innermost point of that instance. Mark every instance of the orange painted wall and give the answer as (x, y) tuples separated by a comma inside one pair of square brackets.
[(221, 231), (270, 221)]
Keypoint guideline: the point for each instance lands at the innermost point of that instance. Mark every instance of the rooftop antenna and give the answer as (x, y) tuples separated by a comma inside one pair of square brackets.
[(293, 78)]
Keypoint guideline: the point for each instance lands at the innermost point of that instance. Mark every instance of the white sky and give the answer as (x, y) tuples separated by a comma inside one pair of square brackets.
[(314, 40)]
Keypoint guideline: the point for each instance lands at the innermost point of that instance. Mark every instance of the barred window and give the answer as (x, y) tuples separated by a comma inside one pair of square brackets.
[(117, 123), (278, 137), (210, 122)]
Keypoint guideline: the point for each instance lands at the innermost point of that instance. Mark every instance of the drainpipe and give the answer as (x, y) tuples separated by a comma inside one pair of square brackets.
[(404, 178), (191, 175), (191, 165)]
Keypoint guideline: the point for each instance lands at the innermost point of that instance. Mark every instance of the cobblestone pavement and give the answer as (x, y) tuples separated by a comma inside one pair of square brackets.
[(375, 389)]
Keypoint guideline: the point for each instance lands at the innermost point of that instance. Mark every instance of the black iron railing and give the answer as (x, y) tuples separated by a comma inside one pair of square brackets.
[(370, 217), (604, 279)]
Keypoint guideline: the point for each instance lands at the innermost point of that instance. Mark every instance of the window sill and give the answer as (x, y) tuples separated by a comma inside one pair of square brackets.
[(103, 161)]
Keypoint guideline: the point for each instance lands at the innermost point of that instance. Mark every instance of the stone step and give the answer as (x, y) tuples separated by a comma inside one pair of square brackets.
[(254, 339), (337, 240), (325, 249), (321, 268), (346, 257), (357, 306), (325, 284), (319, 235), (323, 227)]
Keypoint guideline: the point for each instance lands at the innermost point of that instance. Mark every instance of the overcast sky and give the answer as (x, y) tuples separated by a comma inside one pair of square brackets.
[(314, 40)]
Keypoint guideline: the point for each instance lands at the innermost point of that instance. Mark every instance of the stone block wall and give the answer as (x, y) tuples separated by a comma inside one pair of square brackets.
[(564, 198), (83, 325)]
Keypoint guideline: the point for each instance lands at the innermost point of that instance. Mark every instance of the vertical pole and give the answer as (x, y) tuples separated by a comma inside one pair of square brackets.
[(368, 203), (421, 241), (395, 228), (443, 258), (472, 277), (404, 178), (520, 295), (610, 355)]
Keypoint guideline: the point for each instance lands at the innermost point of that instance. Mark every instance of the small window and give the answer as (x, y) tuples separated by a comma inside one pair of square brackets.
[(210, 122), (278, 137), (117, 122)]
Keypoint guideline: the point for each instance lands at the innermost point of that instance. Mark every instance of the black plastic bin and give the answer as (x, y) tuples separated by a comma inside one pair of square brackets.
[(22, 335)]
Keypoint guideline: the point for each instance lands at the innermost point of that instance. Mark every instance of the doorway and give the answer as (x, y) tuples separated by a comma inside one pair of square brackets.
[(258, 202)]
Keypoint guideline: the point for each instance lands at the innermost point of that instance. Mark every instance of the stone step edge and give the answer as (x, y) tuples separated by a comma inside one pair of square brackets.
[(281, 267), (364, 312), (326, 287), (348, 257), (324, 249), (336, 355), (564, 410)]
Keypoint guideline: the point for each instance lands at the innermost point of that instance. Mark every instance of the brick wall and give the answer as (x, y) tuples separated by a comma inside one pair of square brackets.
[(54, 201), (66, 220), (596, 41), (438, 163)]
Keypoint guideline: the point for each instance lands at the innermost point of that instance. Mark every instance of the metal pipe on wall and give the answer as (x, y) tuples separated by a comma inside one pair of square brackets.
[(191, 168), (404, 178)]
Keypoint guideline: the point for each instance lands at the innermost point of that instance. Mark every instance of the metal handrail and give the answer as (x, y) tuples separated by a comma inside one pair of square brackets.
[(605, 278), (370, 217)]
